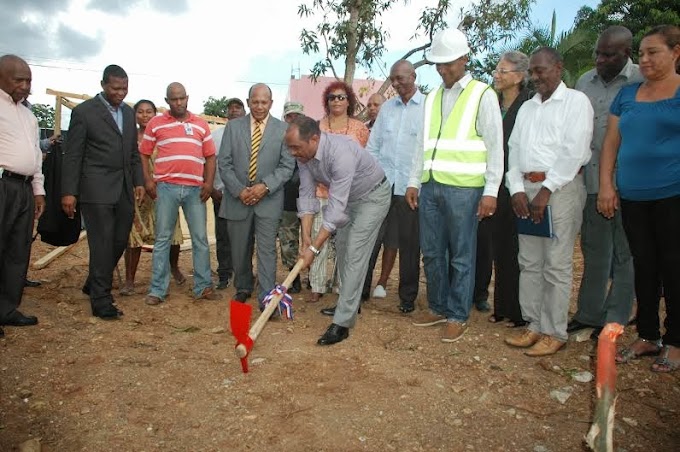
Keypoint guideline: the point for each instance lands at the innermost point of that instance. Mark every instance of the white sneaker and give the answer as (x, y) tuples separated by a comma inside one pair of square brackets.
[(379, 292)]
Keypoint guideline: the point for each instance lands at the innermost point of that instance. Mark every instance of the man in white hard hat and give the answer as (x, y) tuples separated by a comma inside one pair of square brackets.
[(458, 173)]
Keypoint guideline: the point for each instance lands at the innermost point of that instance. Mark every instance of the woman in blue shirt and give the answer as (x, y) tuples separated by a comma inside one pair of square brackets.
[(643, 138)]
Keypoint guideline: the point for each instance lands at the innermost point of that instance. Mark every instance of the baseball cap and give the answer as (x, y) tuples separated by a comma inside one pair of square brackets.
[(292, 107), (235, 100)]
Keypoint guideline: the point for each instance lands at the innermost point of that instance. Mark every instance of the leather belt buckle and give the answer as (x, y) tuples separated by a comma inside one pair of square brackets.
[(535, 176)]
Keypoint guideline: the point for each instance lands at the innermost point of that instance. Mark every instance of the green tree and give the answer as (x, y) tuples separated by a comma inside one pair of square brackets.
[(352, 31), (45, 115), (575, 46), (637, 15), (216, 107)]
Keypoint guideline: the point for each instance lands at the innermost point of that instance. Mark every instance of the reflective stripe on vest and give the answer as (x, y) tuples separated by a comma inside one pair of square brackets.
[(454, 154)]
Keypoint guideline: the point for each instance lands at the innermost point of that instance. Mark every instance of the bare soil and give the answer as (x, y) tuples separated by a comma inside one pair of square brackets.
[(166, 378)]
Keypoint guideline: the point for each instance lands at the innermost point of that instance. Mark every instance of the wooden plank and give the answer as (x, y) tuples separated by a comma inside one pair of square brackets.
[(55, 253)]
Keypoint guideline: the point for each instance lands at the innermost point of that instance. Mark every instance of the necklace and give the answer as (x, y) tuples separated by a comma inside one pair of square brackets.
[(330, 128)]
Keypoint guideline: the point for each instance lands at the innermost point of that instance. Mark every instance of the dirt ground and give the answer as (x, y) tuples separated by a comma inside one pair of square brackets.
[(166, 379)]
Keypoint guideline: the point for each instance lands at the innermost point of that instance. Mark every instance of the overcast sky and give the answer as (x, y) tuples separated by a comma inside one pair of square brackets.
[(215, 48)]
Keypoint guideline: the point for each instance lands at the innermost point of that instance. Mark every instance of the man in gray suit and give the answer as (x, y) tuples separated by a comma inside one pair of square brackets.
[(254, 163), (102, 173)]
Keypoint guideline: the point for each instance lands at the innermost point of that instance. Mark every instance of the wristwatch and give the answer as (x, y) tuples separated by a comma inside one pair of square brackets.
[(313, 249)]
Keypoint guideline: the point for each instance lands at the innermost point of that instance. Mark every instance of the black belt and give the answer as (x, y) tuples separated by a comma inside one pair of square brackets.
[(21, 177), (384, 179)]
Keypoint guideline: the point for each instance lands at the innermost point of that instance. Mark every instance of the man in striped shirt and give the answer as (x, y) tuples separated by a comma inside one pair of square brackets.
[(184, 171)]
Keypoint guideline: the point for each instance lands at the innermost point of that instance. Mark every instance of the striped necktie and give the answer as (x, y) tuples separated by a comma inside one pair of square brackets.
[(256, 140)]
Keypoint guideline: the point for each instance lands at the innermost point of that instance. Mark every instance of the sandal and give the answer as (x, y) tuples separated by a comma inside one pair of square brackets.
[(407, 308), (493, 318), (664, 365), (628, 354), (516, 323), (127, 291)]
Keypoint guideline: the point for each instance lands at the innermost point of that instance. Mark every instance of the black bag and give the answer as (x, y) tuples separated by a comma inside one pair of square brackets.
[(54, 226)]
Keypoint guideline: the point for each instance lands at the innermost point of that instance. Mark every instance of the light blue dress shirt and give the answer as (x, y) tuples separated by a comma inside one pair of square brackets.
[(116, 113), (395, 137)]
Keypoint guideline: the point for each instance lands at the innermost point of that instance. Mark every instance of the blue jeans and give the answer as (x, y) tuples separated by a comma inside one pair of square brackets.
[(448, 238), (169, 198)]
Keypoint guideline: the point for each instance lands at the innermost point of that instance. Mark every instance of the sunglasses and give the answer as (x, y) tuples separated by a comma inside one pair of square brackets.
[(332, 97)]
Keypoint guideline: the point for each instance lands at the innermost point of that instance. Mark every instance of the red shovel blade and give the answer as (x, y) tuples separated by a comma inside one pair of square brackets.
[(239, 320)]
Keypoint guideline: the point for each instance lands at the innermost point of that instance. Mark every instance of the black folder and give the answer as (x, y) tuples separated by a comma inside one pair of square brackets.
[(527, 226)]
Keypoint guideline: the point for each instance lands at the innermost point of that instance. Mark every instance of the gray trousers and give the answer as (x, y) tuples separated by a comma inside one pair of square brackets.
[(546, 263), (241, 234), (606, 257), (354, 243)]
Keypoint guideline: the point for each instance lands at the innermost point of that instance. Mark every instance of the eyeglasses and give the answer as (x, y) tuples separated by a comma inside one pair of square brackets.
[(503, 71), (332, 97)]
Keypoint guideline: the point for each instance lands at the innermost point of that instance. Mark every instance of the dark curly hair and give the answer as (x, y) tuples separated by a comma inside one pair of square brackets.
[(142, 102), (351, 97)]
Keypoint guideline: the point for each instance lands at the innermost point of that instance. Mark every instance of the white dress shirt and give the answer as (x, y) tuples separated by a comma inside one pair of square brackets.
[(490, 128), (552, 137), (19, 144)]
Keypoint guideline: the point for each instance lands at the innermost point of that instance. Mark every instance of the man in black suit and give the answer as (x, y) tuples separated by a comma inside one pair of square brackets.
[(102, 173)]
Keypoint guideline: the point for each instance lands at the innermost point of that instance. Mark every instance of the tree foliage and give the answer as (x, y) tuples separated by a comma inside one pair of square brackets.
[(45, 115), (351, 30), (575, 46), (216, 107), (637, 15)]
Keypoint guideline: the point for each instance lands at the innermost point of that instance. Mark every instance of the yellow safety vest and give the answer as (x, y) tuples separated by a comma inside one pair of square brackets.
[(455, 154)]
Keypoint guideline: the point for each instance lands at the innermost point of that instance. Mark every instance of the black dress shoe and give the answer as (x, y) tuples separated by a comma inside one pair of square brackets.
[(107, 312), (242, 296), (595, 335), (16, 318), (31, 283), (296, 287), (333, 335), (575, 325)]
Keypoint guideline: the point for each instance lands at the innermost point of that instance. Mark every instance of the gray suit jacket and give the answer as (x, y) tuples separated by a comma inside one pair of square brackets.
[(99, 162), (274, 167)]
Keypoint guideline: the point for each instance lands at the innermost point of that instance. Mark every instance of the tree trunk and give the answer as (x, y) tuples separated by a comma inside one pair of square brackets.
[(352, 44)]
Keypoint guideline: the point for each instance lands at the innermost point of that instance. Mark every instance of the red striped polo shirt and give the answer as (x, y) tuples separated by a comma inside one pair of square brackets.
[(182, 148)]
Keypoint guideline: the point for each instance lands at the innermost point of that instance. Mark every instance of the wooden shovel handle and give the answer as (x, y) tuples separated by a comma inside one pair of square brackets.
[(241, 350)]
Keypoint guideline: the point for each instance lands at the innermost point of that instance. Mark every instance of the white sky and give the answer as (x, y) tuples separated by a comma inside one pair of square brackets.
[(214, 47)]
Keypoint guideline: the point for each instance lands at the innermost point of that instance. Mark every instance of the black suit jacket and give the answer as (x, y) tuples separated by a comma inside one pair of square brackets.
[(99, 161)]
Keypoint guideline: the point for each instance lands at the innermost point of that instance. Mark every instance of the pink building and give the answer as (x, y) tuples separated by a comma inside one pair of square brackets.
[(308, 93)]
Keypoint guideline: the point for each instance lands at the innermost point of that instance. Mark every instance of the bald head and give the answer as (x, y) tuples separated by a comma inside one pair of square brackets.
[(177, 99), (15, 77), (259, 101), (612, 51), (175, 88), (403, 78), (373, 106)]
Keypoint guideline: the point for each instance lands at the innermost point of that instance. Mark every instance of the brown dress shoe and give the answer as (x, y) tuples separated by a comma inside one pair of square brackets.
[(548, 345), (525, 339), (428, 318)]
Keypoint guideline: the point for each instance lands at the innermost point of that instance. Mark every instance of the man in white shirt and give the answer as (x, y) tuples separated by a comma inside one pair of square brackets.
[(22, 195), (548, 148), (458, 170)]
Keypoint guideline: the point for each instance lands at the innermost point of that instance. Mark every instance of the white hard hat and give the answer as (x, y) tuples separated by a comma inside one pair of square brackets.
[(448, 45)]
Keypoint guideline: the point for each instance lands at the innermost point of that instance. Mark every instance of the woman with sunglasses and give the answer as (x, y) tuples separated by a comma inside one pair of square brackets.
[(340, 103)]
